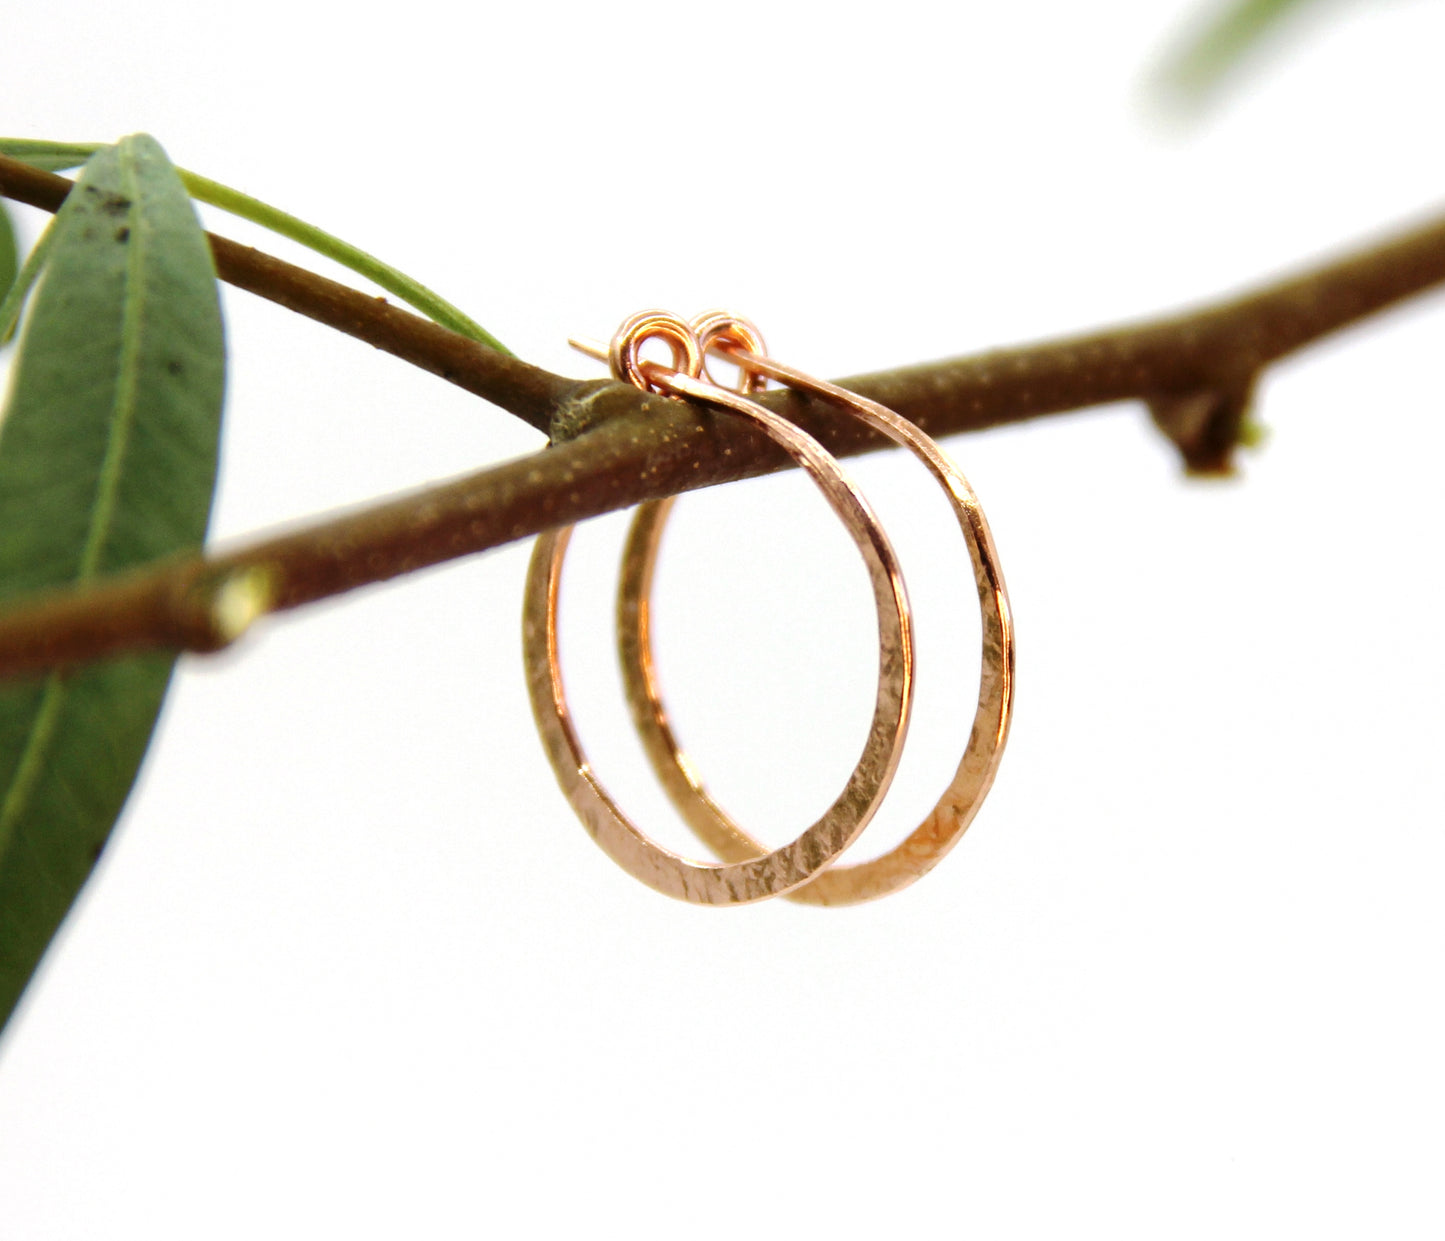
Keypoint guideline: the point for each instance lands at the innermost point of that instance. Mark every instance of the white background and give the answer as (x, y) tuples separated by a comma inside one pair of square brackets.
[(351, 968)]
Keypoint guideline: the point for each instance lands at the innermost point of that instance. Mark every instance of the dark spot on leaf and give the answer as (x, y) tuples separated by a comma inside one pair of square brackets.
[(174, 366), (115, 204), (97, 850), (123, 235)]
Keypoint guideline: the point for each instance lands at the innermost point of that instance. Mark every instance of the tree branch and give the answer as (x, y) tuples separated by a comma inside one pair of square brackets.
[(614, 446)]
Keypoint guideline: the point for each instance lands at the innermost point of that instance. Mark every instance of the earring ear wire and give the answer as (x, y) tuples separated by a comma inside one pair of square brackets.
[(592, 348)]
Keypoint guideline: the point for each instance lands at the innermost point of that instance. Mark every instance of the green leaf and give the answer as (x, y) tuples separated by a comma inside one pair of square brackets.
[(108, 453), (412, 292), (9, 256), (1231, 33), (48, 156)]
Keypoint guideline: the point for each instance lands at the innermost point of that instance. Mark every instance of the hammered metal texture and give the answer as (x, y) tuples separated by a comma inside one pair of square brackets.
[(757, 874), (926, 845)]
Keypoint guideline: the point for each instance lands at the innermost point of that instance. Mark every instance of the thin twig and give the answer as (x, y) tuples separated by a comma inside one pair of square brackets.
[(518, 387), (614, 447)]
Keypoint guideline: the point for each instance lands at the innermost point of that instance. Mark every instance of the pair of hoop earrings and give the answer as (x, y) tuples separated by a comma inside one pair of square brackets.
[(804, 869)]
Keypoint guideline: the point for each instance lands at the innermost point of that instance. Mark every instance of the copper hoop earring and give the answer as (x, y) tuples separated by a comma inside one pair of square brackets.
[(738, 341), (760, 874)]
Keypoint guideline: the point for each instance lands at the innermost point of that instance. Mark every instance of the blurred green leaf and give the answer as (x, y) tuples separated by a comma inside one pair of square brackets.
[(9, 255), (1228, 36), (108, 452)]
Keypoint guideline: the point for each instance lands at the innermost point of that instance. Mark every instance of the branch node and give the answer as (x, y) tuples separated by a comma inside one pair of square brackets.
[(590, 406), (1206, 426), (217, 608), (240, 599)]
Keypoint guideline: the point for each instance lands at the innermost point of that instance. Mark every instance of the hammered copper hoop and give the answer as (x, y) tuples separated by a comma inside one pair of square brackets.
[(759, 874), (940, 831)]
